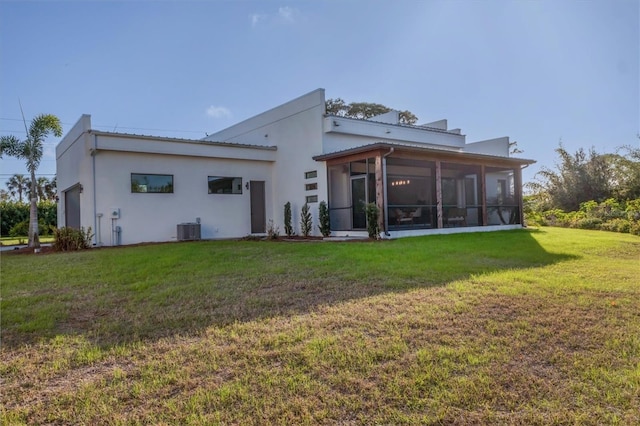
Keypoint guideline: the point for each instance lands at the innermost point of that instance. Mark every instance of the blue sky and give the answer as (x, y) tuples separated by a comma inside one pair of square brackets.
[(537, 71)]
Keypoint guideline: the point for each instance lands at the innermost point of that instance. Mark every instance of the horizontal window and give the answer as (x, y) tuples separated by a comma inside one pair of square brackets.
[(311, 174), (311, 186), (225, 185), (151, 183), (312, 198)]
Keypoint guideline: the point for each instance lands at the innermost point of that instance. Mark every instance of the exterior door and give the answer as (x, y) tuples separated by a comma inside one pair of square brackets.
[(359, 202), (258, 209), (72, 207)]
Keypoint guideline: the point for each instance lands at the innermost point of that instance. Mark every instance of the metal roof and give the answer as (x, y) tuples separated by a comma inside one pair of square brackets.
[(181, 140)]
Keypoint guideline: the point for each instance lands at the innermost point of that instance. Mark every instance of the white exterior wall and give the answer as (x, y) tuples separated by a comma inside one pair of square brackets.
[(497, 146), (106, 160), (73, 167), (296, 129), (344, 133), (146, 217)]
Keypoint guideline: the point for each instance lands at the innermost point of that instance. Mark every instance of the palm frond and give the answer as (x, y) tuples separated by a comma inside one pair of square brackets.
[(44, 124), (10, 146)]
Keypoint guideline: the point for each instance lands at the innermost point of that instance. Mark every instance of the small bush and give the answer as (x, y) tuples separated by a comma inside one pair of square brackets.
[(273, 232), (372, 213), (535, 219), (305, 221), (69, 239), (288, 228), (587, 223), (20, 229), (555, 217), (617, 225), (633, 209), (323, 218)]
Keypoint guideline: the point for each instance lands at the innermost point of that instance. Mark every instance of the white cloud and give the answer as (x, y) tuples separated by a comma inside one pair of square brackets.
[(285, 15), (218, 112), (256, 18)]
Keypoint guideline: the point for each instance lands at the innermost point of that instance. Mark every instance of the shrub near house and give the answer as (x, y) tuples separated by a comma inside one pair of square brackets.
[(609, 215)]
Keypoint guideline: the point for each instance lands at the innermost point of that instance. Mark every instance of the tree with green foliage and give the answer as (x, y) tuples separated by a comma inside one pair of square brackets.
[(579, 177), (364, 110), (306, 222), (13, 212), (31, 150), (373, 227), (288, 228), (624, 173), (17, 185), (323, 218), (46, 188)]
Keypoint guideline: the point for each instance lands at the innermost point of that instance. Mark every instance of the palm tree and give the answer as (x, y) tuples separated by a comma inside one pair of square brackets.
[(49, 187), (45, 188), (18, 184), (31, 150)]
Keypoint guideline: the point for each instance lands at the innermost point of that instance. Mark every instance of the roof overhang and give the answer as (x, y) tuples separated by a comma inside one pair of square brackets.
[(423, 152), (181, 140), (158, 145)]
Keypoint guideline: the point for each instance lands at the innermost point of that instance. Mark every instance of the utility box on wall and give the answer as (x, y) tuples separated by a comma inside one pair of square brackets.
[(188, 231)]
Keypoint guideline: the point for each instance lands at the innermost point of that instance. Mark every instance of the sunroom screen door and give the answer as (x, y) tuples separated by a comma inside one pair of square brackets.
[(358, 202)]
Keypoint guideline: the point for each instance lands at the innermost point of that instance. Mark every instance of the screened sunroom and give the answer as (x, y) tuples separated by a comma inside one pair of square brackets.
[(419, 188)]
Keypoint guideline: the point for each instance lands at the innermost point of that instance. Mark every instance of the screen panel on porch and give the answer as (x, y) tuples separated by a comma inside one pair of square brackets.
[(351, 187), (411, 192), (461, 195), (502, 199)]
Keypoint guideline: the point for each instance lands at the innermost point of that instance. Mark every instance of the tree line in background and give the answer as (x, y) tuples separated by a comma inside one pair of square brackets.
[(588, 190), (364, 110), (19, 189), (14, 217), (14, 220)]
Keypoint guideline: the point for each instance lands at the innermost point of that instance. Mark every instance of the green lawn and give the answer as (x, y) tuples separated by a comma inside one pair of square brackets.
[(518, 327)]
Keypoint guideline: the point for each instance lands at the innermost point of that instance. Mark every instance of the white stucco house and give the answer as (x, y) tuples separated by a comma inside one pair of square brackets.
[(424, 179)]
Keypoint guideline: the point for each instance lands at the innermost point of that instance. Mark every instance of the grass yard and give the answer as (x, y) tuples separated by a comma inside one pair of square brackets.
[(517, 327)]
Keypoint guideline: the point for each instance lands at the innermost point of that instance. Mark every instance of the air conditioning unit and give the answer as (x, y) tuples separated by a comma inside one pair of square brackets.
[(188, 231)]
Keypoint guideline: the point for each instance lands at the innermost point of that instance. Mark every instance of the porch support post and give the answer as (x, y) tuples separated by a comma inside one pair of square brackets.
[(380, 193), (517, 178), (439, 193), (483, 195)]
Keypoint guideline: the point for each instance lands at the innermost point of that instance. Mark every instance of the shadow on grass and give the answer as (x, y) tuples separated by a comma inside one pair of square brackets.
[(120, 296)]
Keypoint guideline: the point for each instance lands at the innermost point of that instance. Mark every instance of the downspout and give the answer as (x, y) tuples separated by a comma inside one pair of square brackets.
[(384, 190), (94, 152)]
